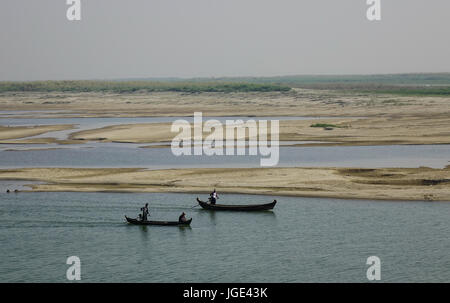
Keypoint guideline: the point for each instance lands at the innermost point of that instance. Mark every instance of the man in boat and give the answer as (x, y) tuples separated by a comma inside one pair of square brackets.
[(213, 197), (182, 218), (144, 212)]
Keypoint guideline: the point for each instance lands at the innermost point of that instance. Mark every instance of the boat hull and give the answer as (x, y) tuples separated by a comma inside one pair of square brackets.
[(161, 223), (255, 207)]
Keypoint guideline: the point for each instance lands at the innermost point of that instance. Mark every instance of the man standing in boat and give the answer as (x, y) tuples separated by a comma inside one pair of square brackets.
[(213, 197), (145, 212)]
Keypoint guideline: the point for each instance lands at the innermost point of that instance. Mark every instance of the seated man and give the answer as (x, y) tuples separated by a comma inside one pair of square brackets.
[(182, 218)]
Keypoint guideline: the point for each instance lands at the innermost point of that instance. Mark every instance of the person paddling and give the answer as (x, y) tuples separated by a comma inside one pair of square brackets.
[(213, 197), (145, 212)]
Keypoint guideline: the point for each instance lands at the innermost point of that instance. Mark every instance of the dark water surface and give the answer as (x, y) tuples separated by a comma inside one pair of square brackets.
[(302, 240)]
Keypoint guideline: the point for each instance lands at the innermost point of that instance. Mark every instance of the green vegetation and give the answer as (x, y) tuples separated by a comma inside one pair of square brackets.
[(387, 79), (325, 125), (395, 84), (135, 86), (411, 91), (437, 84)]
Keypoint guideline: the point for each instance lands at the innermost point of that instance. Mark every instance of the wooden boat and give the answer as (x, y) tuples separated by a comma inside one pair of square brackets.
[(254, 207), (166, 223)]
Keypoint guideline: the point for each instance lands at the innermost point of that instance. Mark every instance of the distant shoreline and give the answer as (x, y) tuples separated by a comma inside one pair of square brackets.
[(420, 84)]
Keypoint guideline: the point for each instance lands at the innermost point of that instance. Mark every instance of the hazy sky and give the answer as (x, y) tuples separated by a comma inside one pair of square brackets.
[(204, 38)]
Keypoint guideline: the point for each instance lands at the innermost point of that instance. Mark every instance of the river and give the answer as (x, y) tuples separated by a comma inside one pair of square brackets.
[(302, 240)]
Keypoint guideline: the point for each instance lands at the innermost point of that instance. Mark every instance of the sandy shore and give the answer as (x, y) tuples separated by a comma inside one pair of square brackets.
[(348, 131), (17, 132), (389, 119), (298, 102), (377, 119), (350, 183)]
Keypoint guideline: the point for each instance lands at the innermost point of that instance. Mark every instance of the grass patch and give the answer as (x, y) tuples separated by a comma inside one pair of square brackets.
[(426, 84), (326, 125), (413, 79), (437, 84), (139, 86), (413, 91)]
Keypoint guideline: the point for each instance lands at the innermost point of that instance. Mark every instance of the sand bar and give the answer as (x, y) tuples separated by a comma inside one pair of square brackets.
[(298, 102), (345, 131), (17, 132), (350, 183)]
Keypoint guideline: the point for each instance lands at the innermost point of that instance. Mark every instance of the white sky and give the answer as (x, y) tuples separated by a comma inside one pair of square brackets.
[(204, 38)]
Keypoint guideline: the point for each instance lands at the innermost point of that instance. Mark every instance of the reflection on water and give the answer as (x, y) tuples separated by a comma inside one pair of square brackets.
[(144, 230), (302, 240), (212, 217)]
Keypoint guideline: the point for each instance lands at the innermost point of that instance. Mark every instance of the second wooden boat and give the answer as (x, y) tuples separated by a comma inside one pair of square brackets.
[(254, 207), (171, 223)]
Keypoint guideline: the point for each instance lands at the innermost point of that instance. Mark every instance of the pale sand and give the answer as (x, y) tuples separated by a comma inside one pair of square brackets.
[(391, 119), (351, 183), (352, 131), (17, 132), (299, 102), (40, 141)]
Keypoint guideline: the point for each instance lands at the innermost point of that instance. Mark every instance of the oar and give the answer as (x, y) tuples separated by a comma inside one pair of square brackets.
[(194, 206)]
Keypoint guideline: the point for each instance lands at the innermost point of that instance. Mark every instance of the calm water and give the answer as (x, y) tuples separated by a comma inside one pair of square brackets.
[(302, 240), (130, 155)]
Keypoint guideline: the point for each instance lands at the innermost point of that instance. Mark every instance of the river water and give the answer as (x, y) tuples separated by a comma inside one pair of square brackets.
[(302, 240), (131, 155)]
